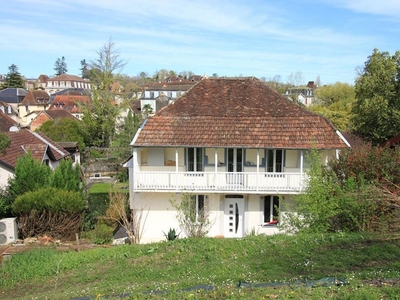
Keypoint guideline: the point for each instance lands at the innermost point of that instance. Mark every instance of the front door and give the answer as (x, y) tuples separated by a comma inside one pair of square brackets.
[(233, 217)]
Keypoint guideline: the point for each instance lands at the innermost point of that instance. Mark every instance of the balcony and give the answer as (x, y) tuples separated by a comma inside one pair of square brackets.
[(218, 182)]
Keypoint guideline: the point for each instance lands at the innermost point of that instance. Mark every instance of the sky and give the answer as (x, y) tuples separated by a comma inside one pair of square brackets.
[(329, 39)]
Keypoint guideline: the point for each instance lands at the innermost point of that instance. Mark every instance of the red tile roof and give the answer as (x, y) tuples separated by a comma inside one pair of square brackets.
[(36, 97), (237, 112), (69, 102), (38, 144), (6, 122)]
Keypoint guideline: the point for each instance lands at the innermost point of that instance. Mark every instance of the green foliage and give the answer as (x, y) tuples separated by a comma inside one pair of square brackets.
[(101, 234), (376, 112), (334, 102), (49, 199), (356, 192), (329, 94), (65, 130), (318, 204), (67, 177), (5, 142), (30, 175), (13, 78), (60, 66), (97, 205), (171, 235)]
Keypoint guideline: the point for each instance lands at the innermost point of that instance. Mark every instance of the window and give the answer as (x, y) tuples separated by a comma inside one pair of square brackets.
[(274, 160), (195, 159), (198, 202), (271, 206)]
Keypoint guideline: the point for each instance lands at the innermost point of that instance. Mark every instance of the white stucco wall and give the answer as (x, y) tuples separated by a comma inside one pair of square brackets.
[(158, 215), (4, 175)]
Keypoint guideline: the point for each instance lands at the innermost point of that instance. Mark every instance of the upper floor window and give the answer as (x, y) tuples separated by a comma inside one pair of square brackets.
[(274, 160), (195, 159)]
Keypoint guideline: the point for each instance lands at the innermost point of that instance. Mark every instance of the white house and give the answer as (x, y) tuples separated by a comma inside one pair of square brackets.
[(236, 146)]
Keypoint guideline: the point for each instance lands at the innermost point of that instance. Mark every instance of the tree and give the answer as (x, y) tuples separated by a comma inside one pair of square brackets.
[(376, 111), (65, 130), (29, 175), (100, 115), (85, 71), (296, 79), (67, 177), (335, 103), (13, 78), (333, 93), (5, 142), (60, 66)]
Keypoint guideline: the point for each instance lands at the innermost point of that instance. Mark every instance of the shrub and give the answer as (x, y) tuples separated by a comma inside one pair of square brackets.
[(49, 211)]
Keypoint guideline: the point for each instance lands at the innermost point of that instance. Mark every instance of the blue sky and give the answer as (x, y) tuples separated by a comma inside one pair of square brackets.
[(262, 38)]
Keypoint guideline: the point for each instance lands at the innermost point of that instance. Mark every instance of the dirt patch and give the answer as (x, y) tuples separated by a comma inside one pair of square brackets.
[(383, 282)]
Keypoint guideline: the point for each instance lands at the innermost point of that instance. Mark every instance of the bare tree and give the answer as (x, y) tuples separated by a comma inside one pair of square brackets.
[(129, 218)]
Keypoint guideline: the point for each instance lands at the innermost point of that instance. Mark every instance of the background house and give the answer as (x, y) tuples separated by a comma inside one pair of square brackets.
[(71, 103), (23, 141), (66, 81), (33, 103), (159, 94), (235, 146), (46, 115), (303, 94)]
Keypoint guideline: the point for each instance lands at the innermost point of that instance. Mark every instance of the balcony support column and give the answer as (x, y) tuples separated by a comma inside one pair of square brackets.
[(135, 167), (176, 168), (258, 168), (301, 168), (215, 166)]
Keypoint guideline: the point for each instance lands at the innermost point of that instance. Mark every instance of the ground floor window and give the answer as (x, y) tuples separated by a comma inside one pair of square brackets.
[(271, 208), (198, 207)]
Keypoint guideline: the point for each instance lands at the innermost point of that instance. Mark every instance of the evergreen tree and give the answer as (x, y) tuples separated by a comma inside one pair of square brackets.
[(13, 78), (60, 66), (67, 177)]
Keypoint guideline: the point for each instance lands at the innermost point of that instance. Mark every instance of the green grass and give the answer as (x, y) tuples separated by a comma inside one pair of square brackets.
[(104, 187), (170, 267)]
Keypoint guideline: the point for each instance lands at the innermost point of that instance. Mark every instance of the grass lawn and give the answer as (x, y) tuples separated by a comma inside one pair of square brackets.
[(267, 267), (104, 187)]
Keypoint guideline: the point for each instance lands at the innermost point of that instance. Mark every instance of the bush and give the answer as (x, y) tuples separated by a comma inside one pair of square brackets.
[(97, 205), (101, 234), (49, 211)]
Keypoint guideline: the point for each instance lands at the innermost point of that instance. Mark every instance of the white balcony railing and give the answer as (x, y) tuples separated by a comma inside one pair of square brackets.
[(218, 182)]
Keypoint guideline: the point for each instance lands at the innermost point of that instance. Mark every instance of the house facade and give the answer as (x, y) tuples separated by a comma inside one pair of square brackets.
[(235, 147), (33, 103), (160, 94), (66, 81), (303, 94)]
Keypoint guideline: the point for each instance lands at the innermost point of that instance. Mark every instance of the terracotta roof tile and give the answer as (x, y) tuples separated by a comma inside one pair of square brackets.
[(70, 103), (35, 97), (237, 112), (6, 122), (37, 143)]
